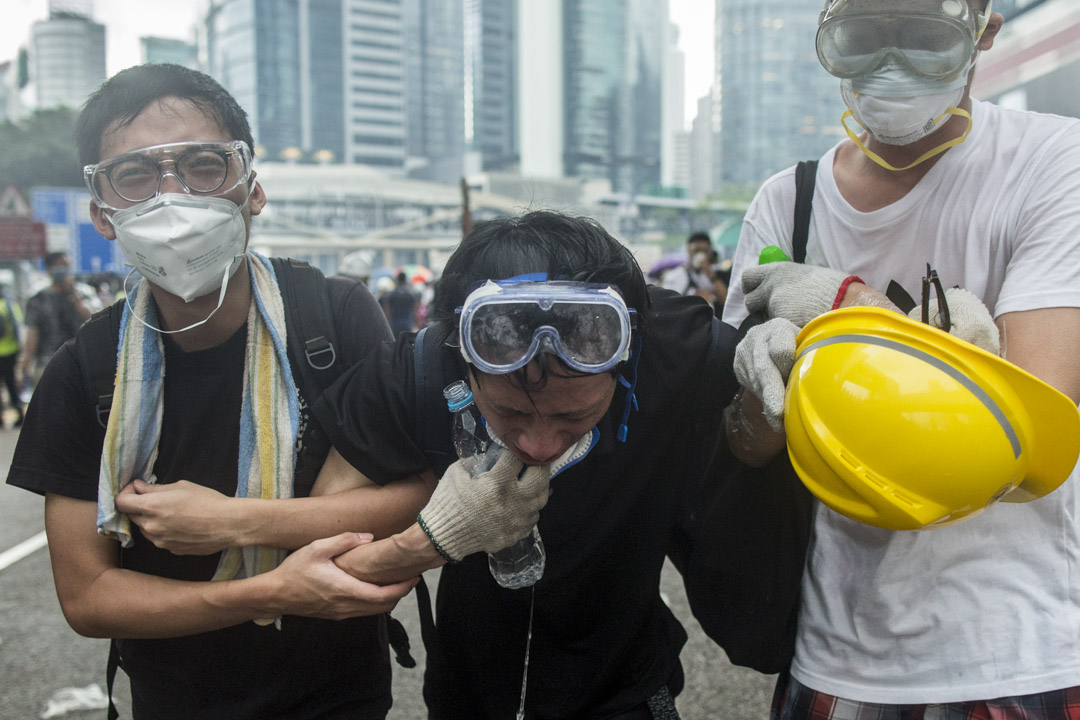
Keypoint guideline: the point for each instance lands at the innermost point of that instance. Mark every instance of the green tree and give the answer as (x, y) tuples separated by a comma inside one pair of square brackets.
[(40, 151)]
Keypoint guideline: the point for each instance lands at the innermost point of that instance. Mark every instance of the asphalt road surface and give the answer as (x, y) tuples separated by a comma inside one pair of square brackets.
[(40, 655)]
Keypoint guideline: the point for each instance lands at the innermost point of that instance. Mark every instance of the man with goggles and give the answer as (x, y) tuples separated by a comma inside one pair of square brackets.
[(595, 386), (979, 619), (505, 324), (904, 70), (208, 408)]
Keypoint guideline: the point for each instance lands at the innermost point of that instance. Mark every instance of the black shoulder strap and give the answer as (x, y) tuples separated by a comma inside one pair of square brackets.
[(805, 176), (312, 340), (96, 342), (429, 406)]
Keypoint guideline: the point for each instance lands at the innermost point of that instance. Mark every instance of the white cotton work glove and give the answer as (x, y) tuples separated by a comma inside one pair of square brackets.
[(763, 361), (970, 319), (791, 290), (488, 512)]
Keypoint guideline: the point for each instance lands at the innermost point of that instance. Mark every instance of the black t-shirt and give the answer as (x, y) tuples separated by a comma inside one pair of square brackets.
[(310, 668), (603, 640)]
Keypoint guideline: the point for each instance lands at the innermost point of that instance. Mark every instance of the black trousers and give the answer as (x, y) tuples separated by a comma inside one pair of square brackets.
[(7, 372)]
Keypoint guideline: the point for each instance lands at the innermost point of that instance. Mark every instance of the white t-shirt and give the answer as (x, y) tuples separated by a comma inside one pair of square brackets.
[(684, 281), (989, 607)]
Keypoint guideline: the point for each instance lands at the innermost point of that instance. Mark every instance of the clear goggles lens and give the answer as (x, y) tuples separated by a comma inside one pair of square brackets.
[(201, 168), (586, 326), (854, 39)]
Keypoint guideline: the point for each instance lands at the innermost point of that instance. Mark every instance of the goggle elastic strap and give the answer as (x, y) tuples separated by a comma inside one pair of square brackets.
[(631, 386), (922, 158)]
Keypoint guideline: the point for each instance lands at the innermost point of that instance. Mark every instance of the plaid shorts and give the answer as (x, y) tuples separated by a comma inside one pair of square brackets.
[(794, 701)]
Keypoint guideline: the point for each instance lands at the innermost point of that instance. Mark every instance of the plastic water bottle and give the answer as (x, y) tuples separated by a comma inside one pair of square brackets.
[(521, 564)]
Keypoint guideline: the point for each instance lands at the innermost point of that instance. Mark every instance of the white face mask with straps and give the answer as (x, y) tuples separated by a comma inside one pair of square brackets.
[(187, 245)]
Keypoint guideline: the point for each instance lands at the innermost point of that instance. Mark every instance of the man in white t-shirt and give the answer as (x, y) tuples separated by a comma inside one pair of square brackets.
[(981, 618)]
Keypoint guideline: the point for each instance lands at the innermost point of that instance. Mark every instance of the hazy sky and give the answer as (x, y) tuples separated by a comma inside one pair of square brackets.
[(127, 21)]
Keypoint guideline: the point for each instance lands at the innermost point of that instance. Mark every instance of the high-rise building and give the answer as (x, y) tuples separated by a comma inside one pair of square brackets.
[(322, 80), (673, 115), (374, 47), (490, 78), (777, 104), (169, 50), (434, 89), (253, 50), (67, 56), (613, 60)]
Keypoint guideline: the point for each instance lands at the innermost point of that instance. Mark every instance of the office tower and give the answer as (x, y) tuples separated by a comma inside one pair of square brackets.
[(490, 93), (169, 50), (777, 104), (612, 55), (67, 55), (374, 44), (673, 115), (322, 80), (434, 89)]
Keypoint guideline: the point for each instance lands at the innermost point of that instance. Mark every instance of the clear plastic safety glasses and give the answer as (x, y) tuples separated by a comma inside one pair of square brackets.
[(201, 168), (503, 326), (934, 38)]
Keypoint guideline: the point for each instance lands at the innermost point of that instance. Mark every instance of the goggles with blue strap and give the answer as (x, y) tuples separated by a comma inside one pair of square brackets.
[(505, 323)]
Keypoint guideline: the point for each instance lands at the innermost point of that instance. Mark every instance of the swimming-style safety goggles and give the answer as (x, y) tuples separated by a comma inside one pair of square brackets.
[(934, 38), (201, 168), (505, 324)]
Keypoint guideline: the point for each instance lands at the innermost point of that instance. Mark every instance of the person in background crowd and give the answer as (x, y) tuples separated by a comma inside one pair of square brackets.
[(53, 314), (700, 275)]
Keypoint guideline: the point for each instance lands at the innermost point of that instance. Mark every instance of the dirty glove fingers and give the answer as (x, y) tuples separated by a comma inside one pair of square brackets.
[(763, 361), (970, 319)]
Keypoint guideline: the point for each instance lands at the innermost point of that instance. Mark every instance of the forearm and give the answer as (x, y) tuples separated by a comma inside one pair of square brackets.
[(381, 510), (126, 604), (399, 557), (751, 439)]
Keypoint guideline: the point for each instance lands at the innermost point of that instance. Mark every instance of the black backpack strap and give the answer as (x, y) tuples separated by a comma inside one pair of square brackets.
[(805, 177), (96, 342), (311, 336), (110, 676)]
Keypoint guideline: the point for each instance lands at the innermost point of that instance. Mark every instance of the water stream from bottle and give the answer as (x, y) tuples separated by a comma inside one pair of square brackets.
[(528, 646)]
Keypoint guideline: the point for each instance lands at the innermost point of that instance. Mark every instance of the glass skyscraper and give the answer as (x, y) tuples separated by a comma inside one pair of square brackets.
[(777, 104)]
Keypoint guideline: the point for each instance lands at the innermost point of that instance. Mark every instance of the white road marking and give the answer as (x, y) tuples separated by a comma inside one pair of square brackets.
[(26, 547)]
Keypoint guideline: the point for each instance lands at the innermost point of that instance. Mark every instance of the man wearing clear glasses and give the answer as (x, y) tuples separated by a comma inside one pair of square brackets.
[(206, 406), (979, 619)]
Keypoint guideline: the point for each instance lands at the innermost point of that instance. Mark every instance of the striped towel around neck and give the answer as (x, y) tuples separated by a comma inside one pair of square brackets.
[(269, 415)]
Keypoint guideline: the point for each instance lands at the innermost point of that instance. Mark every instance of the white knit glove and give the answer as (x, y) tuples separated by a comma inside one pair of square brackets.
[(763, 361), (488, 512), (970, 319), (791, 290)]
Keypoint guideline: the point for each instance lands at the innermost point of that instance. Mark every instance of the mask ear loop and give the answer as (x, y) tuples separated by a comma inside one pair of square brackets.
[(221, 295), (220, 302)]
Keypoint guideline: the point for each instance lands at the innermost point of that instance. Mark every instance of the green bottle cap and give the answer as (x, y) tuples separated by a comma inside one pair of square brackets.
[(771, 254)]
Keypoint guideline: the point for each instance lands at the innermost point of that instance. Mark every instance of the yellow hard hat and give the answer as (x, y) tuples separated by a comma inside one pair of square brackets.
[(899, 425)]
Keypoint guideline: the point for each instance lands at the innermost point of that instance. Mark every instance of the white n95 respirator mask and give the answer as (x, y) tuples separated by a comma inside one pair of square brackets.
[(185, 244)]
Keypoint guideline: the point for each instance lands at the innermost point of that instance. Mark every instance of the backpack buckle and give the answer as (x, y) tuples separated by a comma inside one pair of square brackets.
[(317, 348), (101, 410)]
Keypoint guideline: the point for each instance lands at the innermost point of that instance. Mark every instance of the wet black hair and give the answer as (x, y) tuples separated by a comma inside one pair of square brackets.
[(122, 97), (566, 247)]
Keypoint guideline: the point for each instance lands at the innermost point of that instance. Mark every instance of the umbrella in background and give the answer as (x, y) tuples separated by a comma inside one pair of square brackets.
[(415, 273), (666, 262)]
